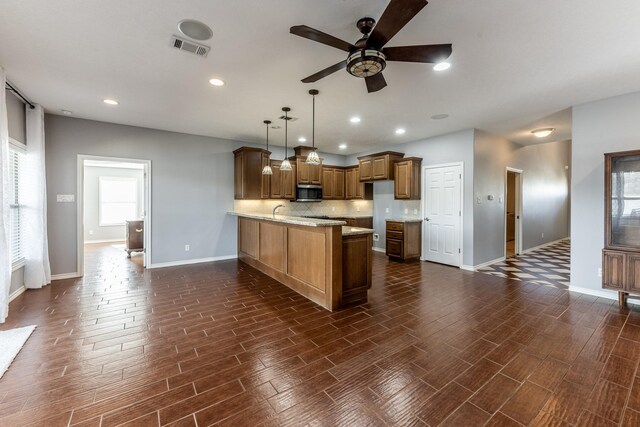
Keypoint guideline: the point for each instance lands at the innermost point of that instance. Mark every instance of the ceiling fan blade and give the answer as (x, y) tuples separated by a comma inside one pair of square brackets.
[(430, 53), (324, 73), (397, 14), (320, 37), (375, 82)]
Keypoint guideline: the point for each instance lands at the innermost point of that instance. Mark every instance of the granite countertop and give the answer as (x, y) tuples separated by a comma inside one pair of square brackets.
[(350, 216), (295, 220), (352, 231), (406, 219)]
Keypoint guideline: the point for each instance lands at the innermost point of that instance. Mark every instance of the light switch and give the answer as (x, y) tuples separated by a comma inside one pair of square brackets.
[(478, 200), (65, 198), (500, 199), (406, 211), (386, 210)]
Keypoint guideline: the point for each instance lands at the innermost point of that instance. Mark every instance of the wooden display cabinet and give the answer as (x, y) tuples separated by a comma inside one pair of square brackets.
[(407, 179), (621, 252)]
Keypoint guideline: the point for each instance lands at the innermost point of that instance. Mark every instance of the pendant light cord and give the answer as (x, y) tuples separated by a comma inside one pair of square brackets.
[(313, 124), (286, 128)]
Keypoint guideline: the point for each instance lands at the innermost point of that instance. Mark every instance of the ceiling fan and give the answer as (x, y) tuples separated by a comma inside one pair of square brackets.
[(368, 56)]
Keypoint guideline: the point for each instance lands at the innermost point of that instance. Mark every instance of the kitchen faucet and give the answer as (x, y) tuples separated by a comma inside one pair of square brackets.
[(276, 208)]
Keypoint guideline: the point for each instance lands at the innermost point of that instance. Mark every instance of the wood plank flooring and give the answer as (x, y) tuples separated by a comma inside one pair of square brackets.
[(222, 344)]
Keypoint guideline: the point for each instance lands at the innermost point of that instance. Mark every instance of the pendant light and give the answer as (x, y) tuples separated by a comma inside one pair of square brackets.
[(285, 165), (312, 158), (267, 169)]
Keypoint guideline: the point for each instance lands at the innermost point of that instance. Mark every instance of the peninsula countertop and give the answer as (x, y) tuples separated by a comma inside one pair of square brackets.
[(295, 220), (404, 219), (353, 231)]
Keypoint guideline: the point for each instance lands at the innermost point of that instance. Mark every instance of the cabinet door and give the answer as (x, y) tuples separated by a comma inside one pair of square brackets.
[(276, 180), (315, 174), (633, 273), (338, 183), (303, 172), (395, 248), (613, 264), (237, 176), (289, 183), (380, 170), (366, 170), (359, 186), (350, 184), (402, 180), (327, 183), (266, 179)]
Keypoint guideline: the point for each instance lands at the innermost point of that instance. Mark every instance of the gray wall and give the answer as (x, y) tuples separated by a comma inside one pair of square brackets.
[(192, 186), (449, 148), (599, 127), (93, 231), (17, 130), (545, 198)]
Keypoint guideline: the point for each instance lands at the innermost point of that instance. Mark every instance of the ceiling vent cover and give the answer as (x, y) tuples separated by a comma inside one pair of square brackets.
[(189, 46)]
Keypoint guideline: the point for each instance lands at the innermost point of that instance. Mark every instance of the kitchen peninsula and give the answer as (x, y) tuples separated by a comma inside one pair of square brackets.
[(320, 259)]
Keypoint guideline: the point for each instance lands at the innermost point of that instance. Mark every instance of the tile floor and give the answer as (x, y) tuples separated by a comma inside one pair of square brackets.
[(222, 344)]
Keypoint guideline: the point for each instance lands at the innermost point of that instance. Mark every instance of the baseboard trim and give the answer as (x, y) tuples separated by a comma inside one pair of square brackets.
[(486, 264), (383, 250), (17, 293), (601, 293), (65, 276), (104, 241), (544, 245), (467, 267), (191, 261)]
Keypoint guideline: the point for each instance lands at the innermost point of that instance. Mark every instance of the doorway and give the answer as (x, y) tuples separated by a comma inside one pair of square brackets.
[(114, 201), (512, 212), (442, 208)]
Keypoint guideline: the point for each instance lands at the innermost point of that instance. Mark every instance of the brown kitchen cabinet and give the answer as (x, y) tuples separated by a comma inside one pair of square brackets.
[(283, 184), (407, 179), (379, 166), (305, 174), (333, 183), (362, 222), (621, 253), (354, 189), (249, 183), (404, 240)]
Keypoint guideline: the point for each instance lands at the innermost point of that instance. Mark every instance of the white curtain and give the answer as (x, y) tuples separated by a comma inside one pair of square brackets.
[(5, 236), (37, 272)]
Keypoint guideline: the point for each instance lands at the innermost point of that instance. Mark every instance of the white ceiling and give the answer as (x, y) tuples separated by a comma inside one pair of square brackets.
[(513, 63)]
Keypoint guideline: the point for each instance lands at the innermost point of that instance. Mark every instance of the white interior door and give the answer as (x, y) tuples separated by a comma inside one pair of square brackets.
[(442, 214)]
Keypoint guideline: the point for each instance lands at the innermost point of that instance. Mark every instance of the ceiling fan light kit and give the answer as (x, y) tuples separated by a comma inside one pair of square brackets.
[(368, 57)]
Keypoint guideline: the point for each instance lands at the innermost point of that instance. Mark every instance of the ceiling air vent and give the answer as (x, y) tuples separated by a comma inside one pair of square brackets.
[(189, 46)]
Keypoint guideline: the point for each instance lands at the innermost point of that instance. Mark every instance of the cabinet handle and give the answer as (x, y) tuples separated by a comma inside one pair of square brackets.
[(138, 231)]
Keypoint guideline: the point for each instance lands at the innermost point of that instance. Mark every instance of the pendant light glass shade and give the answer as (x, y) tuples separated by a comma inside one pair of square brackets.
[(285, 165), (267, 169), (312, 157)]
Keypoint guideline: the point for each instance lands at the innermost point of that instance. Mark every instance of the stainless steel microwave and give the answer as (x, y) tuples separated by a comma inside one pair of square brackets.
[(309, 193)]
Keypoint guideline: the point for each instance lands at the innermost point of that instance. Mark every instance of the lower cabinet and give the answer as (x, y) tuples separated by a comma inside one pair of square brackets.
[(404, 240)]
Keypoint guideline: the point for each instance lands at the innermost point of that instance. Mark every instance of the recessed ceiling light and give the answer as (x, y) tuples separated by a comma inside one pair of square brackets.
[(441, 66), (302, 139), (439, 116), (354, 119), (67, 112), (195, 29), (216, 82), (110, 101), (400, 131), (541, 133), (342, 146)]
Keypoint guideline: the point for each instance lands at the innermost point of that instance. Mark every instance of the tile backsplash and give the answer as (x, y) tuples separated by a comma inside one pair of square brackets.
[(325, 207)]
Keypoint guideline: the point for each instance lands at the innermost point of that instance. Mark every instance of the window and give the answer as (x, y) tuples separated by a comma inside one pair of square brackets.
[(118, 200), (16, 166)]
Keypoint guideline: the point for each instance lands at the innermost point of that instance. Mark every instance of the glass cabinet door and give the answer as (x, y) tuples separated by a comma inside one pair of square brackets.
[(624, 209)]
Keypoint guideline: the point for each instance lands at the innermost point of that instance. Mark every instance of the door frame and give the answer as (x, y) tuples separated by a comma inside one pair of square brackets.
[(518, 190), (423, 199), (80, 205)]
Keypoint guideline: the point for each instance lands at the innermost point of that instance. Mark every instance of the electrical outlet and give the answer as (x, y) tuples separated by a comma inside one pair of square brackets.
[(187, 248), (90, 232), (376, 237), (406, 211), (333, 209), (415, 211), (386, 210), (500, 199), (479, 200), (599, 272), (357, 208), (542, 234)]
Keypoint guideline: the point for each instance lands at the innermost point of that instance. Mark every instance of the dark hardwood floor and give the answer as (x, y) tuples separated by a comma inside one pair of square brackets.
[(220, 343)]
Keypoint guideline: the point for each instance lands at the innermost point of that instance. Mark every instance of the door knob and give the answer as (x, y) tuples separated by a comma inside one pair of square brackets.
[(426, 219)]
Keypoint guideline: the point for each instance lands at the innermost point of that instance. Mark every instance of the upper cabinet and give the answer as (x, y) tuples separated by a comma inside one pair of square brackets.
[(283, 183), (407, 179), (305, 174), (249, 183), (333, 185), (354, 188), (379, 166)]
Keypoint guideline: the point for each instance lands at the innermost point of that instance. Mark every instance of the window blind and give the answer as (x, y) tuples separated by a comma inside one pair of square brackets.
[(16, 164)]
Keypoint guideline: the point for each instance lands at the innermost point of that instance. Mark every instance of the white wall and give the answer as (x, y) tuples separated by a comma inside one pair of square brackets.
[(599, 127), (449, 148), (93, 231), (192, 187)]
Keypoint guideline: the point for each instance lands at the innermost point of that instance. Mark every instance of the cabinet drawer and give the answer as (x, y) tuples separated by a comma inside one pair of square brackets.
[(613, 270), (395, 248), (398, 235), (395, 226)]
